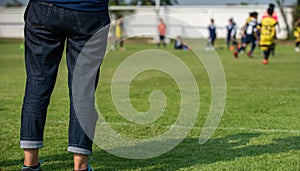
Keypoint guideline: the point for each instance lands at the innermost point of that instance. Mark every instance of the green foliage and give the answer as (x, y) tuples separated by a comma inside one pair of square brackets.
[(117, 2), (14, 3), (143, 2), (169, 2), (259, 130), (244, 3), (296, 11), (288, 28)]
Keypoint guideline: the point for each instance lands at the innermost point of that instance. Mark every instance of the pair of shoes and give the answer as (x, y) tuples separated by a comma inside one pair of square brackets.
[(34, 168), (236, 54), (25, 168), (265, 61)]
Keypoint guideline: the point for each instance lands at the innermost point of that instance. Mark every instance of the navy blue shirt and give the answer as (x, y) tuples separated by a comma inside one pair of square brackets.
[(251, 27), (80, 5), (212, 31), (231, 30)]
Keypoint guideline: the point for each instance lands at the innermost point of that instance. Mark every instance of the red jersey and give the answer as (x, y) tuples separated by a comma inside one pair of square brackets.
[(275, 16), (162, 29)]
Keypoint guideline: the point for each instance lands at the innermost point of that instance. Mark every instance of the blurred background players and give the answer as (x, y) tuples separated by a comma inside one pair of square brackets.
[(275, 17), (231, 35), (297, 35), (162, 33), (249, 35), (179, 44), (119, 32), (212, 35), (267, 36)]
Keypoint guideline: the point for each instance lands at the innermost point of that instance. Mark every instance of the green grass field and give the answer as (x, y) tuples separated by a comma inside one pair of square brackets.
[(260, 128)]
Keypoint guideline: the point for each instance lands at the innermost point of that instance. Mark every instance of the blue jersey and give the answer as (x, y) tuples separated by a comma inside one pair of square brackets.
[(80, 5), (212, 32), (231, 30)]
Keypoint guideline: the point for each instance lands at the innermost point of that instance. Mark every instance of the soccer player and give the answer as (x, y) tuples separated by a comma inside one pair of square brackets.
[(249, 18), (297, 35), (231, 33), (162, 33), (275, 17), (267, 36), (212, 35), (119, 32), (50, 27), (179, 44), (250, 35)]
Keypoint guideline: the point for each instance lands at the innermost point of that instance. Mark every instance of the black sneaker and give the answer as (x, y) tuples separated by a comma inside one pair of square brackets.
[(27, 168)]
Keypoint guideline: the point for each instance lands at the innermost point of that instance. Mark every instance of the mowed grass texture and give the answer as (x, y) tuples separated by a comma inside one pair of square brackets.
[(260, 128)]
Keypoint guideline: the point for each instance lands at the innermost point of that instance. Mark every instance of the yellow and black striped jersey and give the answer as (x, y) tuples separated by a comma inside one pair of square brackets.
[(297, 31), (268, 31)]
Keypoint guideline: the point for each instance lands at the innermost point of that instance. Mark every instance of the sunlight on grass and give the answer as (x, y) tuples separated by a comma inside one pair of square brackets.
[(259, 129)]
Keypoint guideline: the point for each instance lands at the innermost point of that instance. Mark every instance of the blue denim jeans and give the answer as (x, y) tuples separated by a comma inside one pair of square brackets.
[(48, 28)]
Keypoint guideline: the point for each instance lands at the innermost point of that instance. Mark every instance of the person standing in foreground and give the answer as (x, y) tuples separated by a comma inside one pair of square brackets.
[(267, 36), (162, 33), (49, 24)]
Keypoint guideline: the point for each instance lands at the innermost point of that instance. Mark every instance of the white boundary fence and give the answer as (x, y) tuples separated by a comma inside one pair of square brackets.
[(12, 24)]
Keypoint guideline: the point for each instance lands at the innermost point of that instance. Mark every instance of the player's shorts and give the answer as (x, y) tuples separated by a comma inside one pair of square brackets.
[(248, 39), (266, 46), (211, 39), (161, 37)]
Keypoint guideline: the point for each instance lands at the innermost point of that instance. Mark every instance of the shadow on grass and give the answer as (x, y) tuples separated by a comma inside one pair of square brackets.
[(3, 109), (187, 154)]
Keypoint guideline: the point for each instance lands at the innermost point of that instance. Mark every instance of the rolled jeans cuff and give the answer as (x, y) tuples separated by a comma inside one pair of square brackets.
[(78, 150), (31, 144)]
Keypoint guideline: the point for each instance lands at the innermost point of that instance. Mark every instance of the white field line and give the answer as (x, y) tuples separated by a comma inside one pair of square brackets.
[(263, 88), (218, 128), (262, 130), (225, 128)]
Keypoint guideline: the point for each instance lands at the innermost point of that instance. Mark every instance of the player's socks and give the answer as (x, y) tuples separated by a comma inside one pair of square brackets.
[(272, 51), (266, 56), (240, 49), (253, 47)]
